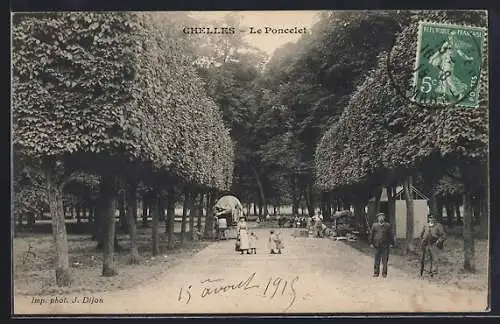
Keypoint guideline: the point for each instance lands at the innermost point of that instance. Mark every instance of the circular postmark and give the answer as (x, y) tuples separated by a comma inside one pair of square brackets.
[(447, 65)]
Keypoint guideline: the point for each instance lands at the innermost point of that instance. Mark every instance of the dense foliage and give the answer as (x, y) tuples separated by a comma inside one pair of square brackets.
[(115, 84), (396, 136)]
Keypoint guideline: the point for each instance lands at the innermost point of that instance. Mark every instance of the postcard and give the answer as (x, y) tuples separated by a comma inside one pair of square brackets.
[(250, 162)]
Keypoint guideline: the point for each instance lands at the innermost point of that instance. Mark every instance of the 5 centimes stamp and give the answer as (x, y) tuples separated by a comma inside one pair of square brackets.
[(448, 64)]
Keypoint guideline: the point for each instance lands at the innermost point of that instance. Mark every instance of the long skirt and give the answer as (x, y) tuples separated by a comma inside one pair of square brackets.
[(244, 240)]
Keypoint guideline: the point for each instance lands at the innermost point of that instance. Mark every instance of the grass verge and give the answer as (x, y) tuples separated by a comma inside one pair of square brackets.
[(34, 274), (450, 270)]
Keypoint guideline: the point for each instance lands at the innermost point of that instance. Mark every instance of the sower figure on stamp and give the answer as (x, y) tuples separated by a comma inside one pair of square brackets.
[(444, 60), (432, 239), (381, 239)]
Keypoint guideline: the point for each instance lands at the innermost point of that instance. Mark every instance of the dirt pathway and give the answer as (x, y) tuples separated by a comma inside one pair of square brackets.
[(313, 275)]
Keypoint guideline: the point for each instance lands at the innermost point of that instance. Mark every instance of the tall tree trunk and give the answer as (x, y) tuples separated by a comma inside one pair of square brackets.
[(391, 208), (192, 215), (156, 209), (255, 209), (200, 212), (408, 184), (209, 224), (439, 207), (96, 225), (359, 213), (458, 213), (170, 218), (295, 198), (144, 211), (91, 223), (248, 209), (469, 261), (328, 205), (20, 221), (483, 216), (101, 221), (134, 257), (434, 203), (184, 216), (63, 274), (208, 216), (261, 190), (122, 211), (108, 192), (78, 210), (450, 212), (31, 219), (309, 200), (161, 213)]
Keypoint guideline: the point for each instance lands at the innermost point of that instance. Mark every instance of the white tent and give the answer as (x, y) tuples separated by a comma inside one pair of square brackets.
[(420, 212)]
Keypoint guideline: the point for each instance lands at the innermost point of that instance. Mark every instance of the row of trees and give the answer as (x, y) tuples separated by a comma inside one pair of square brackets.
[(382, 139), (327, 121), (113, 97), (277, 112)]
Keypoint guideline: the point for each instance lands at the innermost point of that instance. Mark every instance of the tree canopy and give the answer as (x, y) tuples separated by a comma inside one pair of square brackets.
[(395, 134), (114, 84)]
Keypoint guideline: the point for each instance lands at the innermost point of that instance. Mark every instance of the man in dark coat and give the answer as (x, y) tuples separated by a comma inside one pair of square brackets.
[(382, 239)]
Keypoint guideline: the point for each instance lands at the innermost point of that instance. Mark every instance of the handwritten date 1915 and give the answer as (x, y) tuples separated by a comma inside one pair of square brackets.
[(277, 286), (272, 288)]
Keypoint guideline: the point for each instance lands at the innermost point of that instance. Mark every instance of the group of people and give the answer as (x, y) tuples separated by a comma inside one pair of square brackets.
[(314, 224), (246, 241), (432, 237)]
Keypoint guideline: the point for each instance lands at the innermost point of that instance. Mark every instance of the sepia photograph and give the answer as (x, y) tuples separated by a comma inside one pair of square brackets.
[(249, 162)]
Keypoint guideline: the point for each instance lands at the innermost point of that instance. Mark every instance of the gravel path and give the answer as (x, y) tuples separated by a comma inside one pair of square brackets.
[(313, 275)]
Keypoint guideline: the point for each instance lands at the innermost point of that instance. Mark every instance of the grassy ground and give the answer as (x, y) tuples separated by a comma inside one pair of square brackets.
[(450, 270), (35, 275)]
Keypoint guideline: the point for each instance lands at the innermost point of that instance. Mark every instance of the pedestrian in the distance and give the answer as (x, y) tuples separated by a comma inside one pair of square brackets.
[(381, 239)]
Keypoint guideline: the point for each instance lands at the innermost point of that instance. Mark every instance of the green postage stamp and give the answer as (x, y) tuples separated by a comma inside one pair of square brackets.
[(448, 64)]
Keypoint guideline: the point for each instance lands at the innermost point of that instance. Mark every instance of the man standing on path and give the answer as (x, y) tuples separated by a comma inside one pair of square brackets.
[(382, 239), (432, 238)]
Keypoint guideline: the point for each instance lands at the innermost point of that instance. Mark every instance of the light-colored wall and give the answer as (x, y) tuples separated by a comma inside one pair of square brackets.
[(421, 210)]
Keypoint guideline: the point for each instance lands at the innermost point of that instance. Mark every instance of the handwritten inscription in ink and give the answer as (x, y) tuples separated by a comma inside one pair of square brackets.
[(273, 287)]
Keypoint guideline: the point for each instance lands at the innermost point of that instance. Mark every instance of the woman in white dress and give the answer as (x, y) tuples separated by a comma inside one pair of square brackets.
[(242, 229)]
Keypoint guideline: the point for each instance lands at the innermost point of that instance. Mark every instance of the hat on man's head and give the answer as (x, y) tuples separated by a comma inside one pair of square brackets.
[(380, 215)]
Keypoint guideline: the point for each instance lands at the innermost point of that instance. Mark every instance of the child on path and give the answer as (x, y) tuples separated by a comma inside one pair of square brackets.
[(275, 243), (252, 242)]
